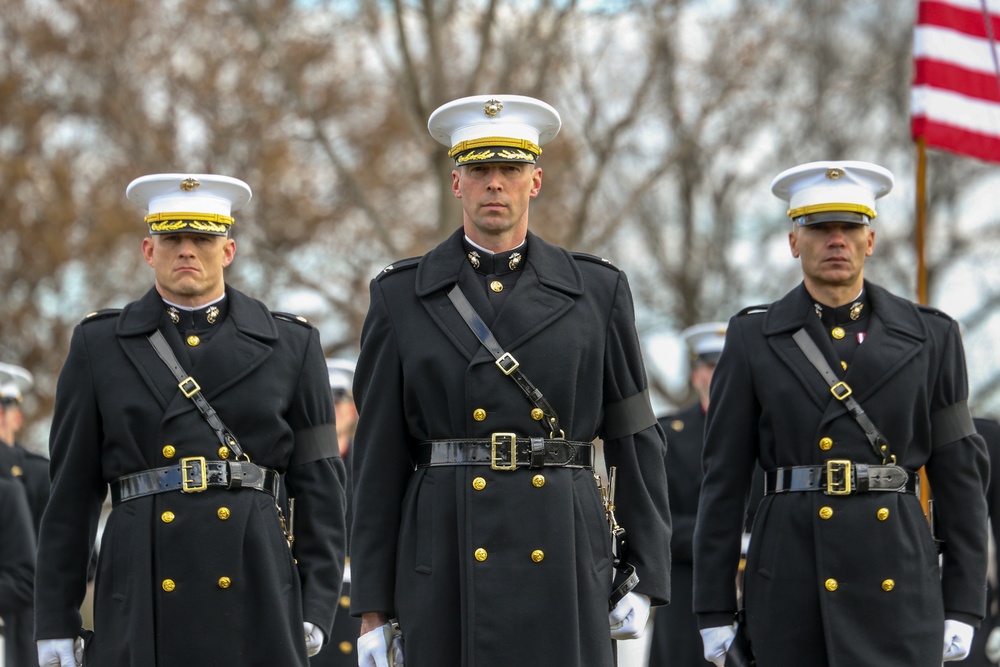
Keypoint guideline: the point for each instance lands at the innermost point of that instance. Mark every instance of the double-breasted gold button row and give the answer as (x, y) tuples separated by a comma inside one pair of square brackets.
[(827, 512), (832, 585), (479, 414), (223, 513), (169, 452), (537, 481), (169, 585), (481, 555)]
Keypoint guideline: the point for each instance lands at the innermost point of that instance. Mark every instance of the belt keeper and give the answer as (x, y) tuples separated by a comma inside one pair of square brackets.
[(537, 453), (235, 475)]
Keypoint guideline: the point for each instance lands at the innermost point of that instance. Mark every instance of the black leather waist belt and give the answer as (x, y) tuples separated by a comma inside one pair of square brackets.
[(193, 475), (505, 451), (841, 478)]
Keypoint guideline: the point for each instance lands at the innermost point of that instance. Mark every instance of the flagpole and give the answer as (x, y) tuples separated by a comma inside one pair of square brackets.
[(925, 487)]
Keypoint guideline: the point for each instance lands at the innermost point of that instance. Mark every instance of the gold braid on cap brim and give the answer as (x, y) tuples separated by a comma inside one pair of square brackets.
[(203, 223), (495, 148), (831, 208)]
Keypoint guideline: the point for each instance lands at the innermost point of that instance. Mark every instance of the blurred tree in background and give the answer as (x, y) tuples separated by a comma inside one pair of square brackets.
[(677, 115)]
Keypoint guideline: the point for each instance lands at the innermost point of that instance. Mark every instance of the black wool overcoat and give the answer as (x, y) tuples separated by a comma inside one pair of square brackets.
[(842, 580), (117, 410), (540, 596)]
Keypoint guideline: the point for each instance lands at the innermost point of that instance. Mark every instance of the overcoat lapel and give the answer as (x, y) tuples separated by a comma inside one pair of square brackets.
[(782, 320), (236, 349), (876, 361), (543, 293)]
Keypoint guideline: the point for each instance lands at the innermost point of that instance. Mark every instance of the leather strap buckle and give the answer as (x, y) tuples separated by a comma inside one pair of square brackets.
[(838, 477), (502, 443), (507, 363), (189, 386), (194, 474), (840, 391)]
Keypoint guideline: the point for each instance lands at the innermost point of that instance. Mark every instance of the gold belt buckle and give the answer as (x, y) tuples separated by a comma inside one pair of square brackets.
[(503, 440), (833, 487), (189, 387), (507, 365), (188, 483)]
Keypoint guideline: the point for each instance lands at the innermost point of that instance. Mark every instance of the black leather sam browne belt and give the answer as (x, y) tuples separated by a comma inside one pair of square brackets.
[(505, 451), (842, 478), (193, 475)]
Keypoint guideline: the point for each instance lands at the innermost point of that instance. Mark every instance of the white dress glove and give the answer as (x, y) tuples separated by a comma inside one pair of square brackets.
[(314, 638), (993, 646), (628, 618), (60, 652), (957, 640), (381, 647), (716, 642)]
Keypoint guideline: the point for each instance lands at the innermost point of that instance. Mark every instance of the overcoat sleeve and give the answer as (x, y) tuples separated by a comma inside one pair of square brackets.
[(65, 542), (17, 542), (958, 470), (318, 487), (381, 459), (731, 449), (642, 507)]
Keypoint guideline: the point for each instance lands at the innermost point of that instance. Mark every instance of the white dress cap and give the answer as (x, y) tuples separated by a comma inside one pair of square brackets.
[(841, 191), (341, 374), (201, 203), (494, 128), (14, 383), (705, 340)]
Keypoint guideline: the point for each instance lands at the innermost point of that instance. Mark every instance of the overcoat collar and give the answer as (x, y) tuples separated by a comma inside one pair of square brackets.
[(544, 292), (896, 333), (241, 347)]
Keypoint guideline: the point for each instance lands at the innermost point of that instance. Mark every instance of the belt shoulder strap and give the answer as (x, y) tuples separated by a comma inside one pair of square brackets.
[(190, 388), (842, 392), (505, 361)]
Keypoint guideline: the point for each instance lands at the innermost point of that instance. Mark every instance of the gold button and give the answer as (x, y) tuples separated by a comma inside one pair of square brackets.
[(224, 513), (538, 481), (831, 585), (825, 512), (479, 414), (168, 585), (496, 286), (223, 452), (538, 555), (481, 554), (345, 601), (479, 484), (345, 647), (225, 582), (167, 517), (888, 585), (16, 471), (193, 341), (537, 414), (169, 451), (838, 333), (825, 443), (677, 425), (843, 364), (882, 514)]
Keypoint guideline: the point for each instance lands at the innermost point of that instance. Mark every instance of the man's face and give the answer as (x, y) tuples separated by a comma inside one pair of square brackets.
[(832, 253), (188, 267), (495, 198)]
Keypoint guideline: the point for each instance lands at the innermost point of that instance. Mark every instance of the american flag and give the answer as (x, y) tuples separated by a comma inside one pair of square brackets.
[(955, 99)]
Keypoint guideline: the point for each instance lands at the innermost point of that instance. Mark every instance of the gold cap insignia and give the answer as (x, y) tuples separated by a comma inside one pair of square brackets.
[(834, 173), (189, 184), (492, 108)]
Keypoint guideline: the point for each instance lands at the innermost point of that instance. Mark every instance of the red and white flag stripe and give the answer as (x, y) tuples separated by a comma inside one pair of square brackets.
[(955, 99)]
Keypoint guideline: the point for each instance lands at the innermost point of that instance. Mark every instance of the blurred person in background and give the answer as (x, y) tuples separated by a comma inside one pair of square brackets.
[(675, 638), (340, 650)]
